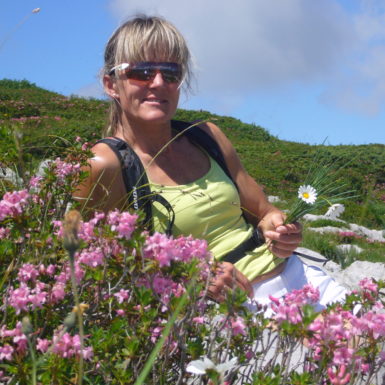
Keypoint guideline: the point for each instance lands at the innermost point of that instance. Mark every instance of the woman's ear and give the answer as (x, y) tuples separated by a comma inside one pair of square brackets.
[(110, 87)]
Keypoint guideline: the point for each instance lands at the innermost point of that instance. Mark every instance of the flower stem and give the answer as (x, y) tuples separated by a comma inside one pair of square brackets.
[(79, 315)]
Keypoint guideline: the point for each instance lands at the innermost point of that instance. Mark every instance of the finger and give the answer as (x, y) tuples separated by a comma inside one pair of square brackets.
[(291, 228), (280, 252), (217, 292), (244, 284), (293, 239), (277, 219)]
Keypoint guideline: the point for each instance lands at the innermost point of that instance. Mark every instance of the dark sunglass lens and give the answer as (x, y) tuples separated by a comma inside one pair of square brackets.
[(171, 75), (146, 71), (142, 74)]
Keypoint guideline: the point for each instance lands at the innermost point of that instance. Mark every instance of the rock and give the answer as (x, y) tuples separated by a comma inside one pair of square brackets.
[(359, 270), (374, 235), (347, 248), (10, 175), (312, 218), (328, 229), (42, 166), (274, 199)]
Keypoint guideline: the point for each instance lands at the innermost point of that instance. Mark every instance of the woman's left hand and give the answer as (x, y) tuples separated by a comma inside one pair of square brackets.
[(281, 239)]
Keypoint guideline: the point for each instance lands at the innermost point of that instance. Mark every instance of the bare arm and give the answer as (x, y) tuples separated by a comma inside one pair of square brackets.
[(282, 239), (104, 188)]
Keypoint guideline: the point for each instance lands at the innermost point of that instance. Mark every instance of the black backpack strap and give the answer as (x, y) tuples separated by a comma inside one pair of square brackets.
[(204, 140), (136, 183)]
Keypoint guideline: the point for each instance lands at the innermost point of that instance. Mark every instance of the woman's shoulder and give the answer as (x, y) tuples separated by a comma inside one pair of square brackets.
[(104, 157), (216, 133)]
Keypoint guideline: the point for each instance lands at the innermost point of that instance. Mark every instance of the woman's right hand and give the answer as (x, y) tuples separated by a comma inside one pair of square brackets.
[(226, 278)]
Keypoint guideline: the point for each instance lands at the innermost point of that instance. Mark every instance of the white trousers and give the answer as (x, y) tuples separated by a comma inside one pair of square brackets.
[(295, 275)]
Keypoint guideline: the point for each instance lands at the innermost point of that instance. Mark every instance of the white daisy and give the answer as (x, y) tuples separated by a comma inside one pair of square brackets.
[(334, 211), (307, 193), (199, 367)]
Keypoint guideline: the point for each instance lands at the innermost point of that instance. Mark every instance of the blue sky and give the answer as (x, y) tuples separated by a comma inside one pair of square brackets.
[(305, 70)]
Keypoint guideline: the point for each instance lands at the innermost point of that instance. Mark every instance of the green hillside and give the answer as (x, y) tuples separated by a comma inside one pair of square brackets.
[(42, 121)]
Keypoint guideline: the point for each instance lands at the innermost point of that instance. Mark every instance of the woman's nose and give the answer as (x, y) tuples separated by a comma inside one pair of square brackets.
[(157, 80)]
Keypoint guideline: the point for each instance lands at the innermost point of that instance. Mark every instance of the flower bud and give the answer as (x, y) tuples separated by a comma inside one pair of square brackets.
[(71, 227), (26, 326), (69, 321)]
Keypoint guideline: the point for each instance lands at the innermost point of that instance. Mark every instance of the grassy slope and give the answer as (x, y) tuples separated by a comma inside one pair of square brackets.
[(40, 118)]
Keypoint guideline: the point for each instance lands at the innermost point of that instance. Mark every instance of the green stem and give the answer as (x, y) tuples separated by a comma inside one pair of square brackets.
[(79, 316), (166, 331), (33, 358)]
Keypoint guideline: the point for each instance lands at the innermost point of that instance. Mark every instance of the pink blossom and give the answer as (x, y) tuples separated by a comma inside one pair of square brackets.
[(6, 352), (34, 182), (21, 342), (4, 232), (161, 248), (120, 312), (27, 272), (342, 356), (13, 203), (18, 298), (88, 353), (67, 346), (338, 377), (63, 169), (121, 295), (155, 334), (368, 284), (123, 223), (42, 344), (238, 326), (162, 285), (93, 256), (286, 311), (191, 248), (57, 292), (198, 320), (249, 354), (50, 270)]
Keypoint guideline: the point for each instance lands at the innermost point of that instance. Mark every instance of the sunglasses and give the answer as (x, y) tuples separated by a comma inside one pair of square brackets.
[(146, 71)]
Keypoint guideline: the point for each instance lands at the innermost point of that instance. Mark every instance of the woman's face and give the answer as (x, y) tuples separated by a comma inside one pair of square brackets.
[(152, 101)]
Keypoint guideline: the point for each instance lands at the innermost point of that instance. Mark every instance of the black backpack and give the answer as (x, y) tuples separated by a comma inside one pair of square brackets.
[(135, 179)]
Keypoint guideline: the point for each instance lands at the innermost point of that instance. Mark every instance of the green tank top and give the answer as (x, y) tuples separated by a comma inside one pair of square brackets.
[(210, 208)]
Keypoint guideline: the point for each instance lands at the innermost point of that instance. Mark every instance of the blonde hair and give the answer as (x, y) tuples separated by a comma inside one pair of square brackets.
[(144, 38)]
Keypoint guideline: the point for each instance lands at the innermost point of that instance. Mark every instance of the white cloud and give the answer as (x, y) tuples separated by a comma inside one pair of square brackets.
[(251, 46), (92, 90), (360, 86)]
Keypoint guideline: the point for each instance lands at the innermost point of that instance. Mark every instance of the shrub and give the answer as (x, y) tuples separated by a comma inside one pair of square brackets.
[(99, 301)]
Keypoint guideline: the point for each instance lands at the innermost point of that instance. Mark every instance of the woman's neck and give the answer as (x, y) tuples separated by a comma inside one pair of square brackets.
[(148, 138)]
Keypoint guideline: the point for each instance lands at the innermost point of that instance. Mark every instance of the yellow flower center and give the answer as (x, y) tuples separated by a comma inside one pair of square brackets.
[(306, 195)]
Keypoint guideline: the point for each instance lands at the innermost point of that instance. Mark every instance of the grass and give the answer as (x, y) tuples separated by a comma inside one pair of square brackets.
[(39, 118), (326, 244)]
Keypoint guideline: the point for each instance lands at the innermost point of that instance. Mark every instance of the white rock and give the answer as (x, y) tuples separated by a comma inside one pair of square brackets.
[(43, 165), (10, 175), (274, 199), (328, 229), (312, 218), (359, 270), (374, 235), (347, 248)]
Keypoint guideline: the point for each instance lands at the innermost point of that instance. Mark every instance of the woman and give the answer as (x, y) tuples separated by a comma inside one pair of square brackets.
[(146, 63)]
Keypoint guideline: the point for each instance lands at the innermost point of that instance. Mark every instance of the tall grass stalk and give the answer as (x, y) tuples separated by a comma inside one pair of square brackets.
[(71, 243), (166, 331), (328, 190)]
